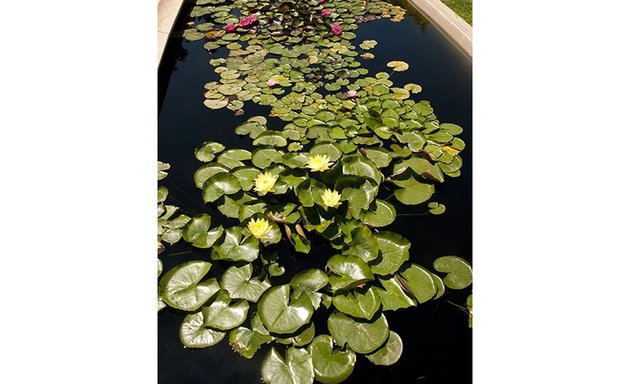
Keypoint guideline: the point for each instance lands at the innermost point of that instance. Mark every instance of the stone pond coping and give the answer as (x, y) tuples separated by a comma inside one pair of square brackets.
[(453, 26)]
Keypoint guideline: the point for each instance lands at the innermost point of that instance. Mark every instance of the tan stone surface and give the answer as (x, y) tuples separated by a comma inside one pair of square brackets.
[(167, 12), (453, 26)]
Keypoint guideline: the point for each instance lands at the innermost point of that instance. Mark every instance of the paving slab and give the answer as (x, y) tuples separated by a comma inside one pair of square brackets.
[(167, 13), (454, 27)]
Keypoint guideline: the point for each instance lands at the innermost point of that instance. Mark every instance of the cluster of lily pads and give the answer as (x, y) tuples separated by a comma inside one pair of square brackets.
[(326, 179)]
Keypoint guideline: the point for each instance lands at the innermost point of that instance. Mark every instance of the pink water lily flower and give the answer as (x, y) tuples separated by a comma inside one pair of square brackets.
[(336, 30), (352, 94), (321, 1), (249, 20), (271, 83), (325, 12), (230, 27)]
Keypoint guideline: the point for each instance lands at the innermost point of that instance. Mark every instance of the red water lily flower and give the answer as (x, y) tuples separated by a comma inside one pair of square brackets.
[(336, 30), (230, 27), (249, 20), (325, 12)]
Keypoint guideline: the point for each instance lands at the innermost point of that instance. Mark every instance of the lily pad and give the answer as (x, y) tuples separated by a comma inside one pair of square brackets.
[(279, 315), (419, 282), (271, 138), (222, 316), (389, 353), (207, 151), (330, 366), (393, 296), (203, 173), (181, 287), (194, 334), (360, 336), (219, 185), (310, 280), (239, 283), (232, 158), (236, 247), (381, 215), (459, 271), (398, 66), (394, 250), (297, 369), (358, 303), (215, 103), (247, 342)]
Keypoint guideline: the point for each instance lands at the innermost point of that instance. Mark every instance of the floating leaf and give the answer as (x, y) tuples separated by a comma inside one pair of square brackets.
[(368, 44), (239, 283), (196, 228), (193, 35), (216, 103), (436, 208), (351, 271), (208, 150), (232, 157), (264, 157), (181, 288), (362, 337), (459, 271), (279, 315), (381, 215), (297, 369), (271, 138), (398, 66), (389, 353), (235, 247), (223, 316), (419, 282), (219, 185), (194, 334), (330, 366), (392, 295), (394, 250), (206, 171), (414, 193), (413, 88), (358, 303), (246, 342), (363, 244), (310, 280)]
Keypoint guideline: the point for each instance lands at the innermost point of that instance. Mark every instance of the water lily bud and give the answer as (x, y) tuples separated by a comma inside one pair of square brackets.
[(331, 198), (319, 163), (264, 182), (230, 27), (325, 12), (336, 30), (259, 227)]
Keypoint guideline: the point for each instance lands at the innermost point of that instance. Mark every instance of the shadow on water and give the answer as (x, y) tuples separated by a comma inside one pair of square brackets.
[(436, 337)]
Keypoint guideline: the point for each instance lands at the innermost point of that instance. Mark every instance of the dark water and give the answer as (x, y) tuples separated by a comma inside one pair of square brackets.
[(436, 337)]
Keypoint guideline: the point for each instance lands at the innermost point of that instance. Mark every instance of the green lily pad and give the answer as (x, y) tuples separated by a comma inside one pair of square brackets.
[(219, 185), (181, 288), (330, 366), (279, 315), (398, 66), (436, 208), (414, 193), (362, 337), (253, 128), (381, 215), (194, 334), (349, 272), (264, 157), (162, 193), (223, 316), (368, 44), (363, 244), (196, 228), (215, 103), (331, 150), (419, 282), (193, 35), (389, 353), (246, 342), (393, 296), (232, 158), (413, 88), (358, 303), (380, 156), (208, 150), (459, 271), (297, 369), (235, 247), (203, 173), (310, 280), (239, 283), (394, 250), (271, 138), (452, 129), (246, 175)]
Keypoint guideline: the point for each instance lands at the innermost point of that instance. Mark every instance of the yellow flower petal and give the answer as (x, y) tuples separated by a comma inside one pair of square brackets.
[(259, 227), (264, 182), (319, 163), (331, 198)]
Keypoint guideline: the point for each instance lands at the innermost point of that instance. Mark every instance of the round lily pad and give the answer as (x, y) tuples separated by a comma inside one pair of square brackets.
[(459, 271), (330, 366), (362, 337), (389, 353)]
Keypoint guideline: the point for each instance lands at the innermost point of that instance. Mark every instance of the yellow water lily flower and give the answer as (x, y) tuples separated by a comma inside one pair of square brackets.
[(259, 227), (319, 163), (265, 182), (331, 198)]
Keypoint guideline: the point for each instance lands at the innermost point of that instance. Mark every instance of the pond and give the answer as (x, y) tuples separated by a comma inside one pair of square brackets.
[(437, 340)]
